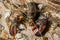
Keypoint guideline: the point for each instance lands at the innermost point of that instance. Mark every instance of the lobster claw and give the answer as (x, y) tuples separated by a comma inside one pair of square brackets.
[(13, 30)]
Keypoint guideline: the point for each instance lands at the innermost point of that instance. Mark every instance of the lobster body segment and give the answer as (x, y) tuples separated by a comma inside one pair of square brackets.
[(13, 30)]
